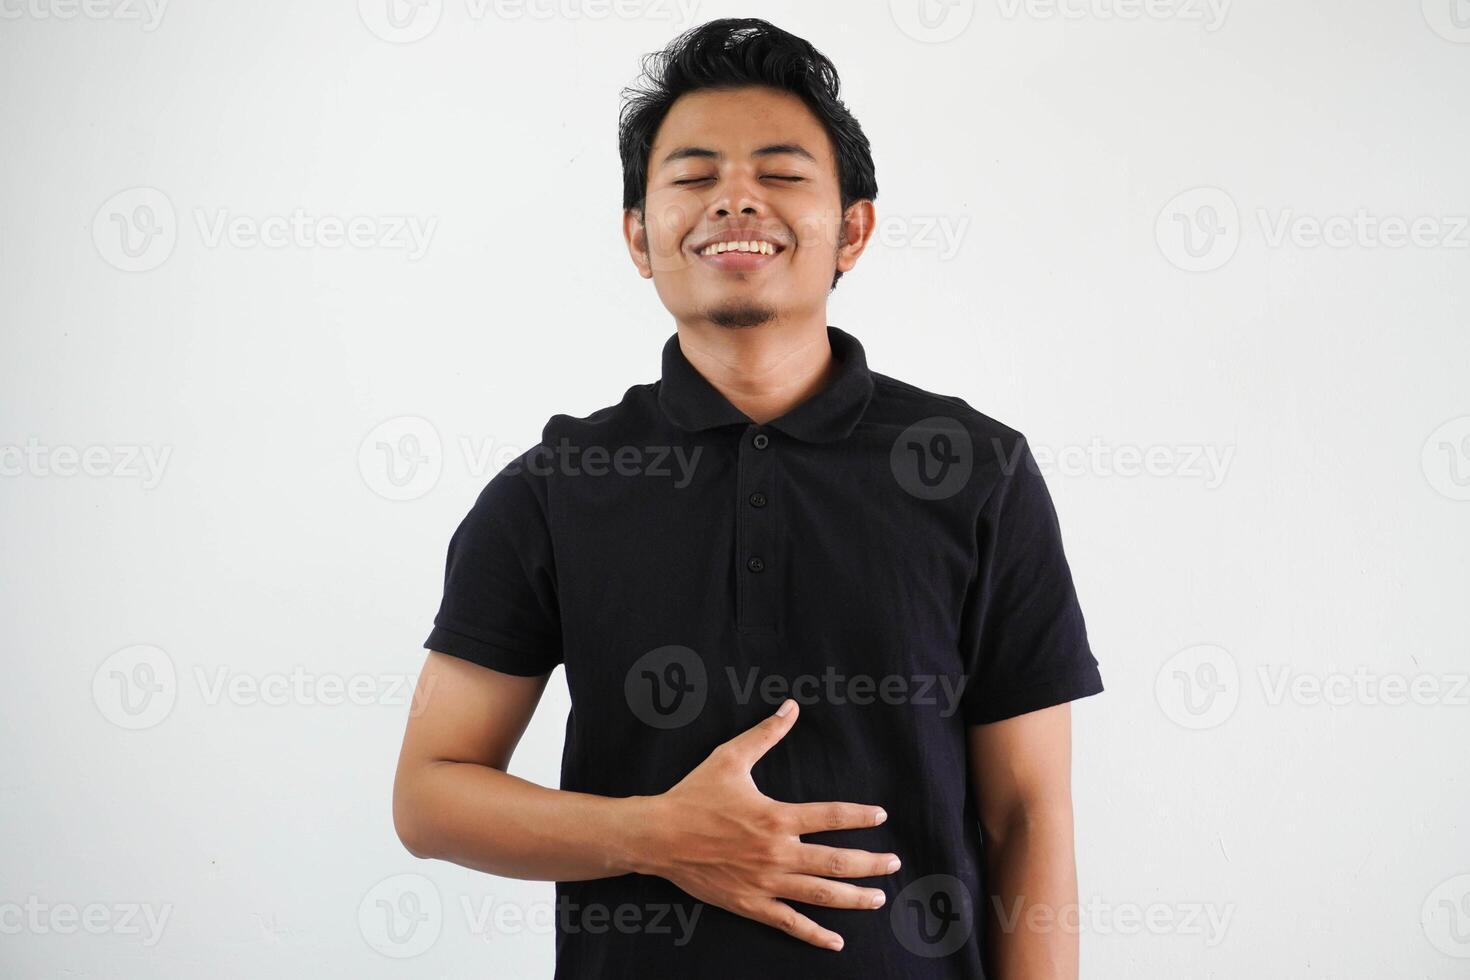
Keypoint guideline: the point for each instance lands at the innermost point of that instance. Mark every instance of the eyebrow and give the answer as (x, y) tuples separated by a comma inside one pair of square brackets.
[(702, 152)]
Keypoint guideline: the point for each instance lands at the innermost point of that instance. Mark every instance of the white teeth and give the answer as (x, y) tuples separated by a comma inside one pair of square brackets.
[(760, 248)]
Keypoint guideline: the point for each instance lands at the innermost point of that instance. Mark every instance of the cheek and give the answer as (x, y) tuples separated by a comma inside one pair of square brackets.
[(670, 218), (668, 221), (817, 230)]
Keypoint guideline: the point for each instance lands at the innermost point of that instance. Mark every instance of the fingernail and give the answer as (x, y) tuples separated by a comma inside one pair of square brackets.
[(834, 943), (893, 865), (882, 816), (877, 900), (785, 708)]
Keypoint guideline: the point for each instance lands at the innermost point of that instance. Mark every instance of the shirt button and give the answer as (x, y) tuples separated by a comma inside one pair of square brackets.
[(755, 565), (757, 499), (761, 440)]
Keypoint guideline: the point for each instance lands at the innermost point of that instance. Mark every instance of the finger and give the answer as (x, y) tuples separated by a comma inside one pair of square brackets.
[(748, 747), (833, 894), (779, 915), (811, 818), (842, 862)]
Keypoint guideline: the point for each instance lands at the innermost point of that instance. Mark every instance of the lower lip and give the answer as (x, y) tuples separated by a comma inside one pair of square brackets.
[(740, 261)]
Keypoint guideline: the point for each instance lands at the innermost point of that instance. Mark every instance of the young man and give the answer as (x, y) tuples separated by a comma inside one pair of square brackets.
[(817, 624)]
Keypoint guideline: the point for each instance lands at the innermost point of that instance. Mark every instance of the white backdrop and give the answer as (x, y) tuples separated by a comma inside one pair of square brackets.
[(1211, 257)]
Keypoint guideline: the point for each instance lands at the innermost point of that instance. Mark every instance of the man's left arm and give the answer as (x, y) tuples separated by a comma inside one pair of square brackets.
[(1022, 773)]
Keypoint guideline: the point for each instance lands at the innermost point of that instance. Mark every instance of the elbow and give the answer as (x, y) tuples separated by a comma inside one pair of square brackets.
[(408, 822), (1026, 820), (999, 826), (411, 843)]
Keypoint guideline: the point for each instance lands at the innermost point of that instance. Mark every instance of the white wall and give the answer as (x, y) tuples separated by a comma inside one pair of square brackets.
[(1304, 518)]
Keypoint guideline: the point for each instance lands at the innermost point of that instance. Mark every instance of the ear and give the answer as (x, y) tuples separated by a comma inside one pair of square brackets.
[(636, 235), (858, 222)]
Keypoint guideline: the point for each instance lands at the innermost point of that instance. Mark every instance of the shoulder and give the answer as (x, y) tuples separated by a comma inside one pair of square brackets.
[(899, 407), (629, 419), (628, 422)]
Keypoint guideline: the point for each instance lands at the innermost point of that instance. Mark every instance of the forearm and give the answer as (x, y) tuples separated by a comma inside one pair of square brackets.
[(482, 818), (1031, 913)]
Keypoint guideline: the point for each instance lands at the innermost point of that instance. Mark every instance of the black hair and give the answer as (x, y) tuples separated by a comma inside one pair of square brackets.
[(735, 52)]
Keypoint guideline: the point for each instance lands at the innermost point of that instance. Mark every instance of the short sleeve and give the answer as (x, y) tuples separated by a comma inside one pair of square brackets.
[(1023, 638), (499, 607)]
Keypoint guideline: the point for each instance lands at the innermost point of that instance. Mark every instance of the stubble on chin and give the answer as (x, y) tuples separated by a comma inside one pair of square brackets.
[(740, 315)]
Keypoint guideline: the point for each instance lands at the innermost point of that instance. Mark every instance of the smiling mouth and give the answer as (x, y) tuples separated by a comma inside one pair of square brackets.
[(760, 247), (740, 256)]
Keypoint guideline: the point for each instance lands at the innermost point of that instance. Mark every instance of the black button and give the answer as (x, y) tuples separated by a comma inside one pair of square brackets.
[(755, 565), (757, 499), (761, 440)]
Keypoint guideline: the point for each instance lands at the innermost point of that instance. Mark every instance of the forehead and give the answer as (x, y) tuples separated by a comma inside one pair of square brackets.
[(735, 122)]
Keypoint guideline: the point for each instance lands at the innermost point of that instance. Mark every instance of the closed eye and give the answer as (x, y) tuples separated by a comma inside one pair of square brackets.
[(696, 180)]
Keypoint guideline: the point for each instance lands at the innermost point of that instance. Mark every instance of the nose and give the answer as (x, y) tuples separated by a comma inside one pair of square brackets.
[(738, 193)]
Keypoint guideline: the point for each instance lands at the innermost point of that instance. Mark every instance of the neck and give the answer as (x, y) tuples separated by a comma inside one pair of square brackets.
[(764, 372)]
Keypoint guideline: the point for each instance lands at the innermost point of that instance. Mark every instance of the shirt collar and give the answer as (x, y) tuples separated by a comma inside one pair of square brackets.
[(692, 403)]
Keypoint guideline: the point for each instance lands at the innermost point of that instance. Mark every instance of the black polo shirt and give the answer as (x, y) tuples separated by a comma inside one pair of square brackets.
[(888, 557)]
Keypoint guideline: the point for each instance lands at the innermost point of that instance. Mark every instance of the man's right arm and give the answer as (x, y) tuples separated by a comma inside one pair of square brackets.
[(714, 834)]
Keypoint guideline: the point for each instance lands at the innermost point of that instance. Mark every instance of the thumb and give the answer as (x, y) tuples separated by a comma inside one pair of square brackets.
[(749, 746)]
